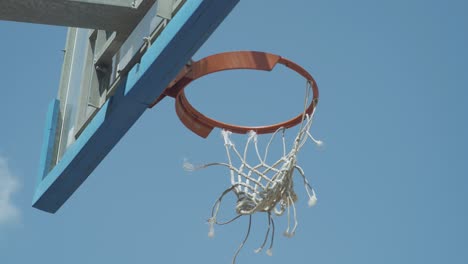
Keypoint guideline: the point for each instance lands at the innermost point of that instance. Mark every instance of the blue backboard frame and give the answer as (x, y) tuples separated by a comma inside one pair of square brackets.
[(183, 36)]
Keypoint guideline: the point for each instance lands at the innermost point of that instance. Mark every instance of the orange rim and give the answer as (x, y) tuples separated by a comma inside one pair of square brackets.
[(253, 60)]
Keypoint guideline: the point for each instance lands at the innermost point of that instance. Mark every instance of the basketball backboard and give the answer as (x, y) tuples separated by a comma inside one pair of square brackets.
[(109, 78)]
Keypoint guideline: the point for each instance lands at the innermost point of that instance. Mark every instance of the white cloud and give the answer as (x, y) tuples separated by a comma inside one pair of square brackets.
[(8, 185)]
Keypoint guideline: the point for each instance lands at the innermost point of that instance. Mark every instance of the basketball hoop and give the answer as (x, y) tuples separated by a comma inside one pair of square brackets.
[(259, 187), (253, 60)]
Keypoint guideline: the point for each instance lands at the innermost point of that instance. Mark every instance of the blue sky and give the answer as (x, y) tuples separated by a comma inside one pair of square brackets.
[(392, 180)]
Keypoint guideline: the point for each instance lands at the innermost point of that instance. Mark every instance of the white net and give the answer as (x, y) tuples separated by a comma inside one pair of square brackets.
[(262, 187)]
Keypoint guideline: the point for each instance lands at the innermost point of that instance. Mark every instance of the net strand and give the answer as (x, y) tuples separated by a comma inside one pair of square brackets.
[(258, 250)]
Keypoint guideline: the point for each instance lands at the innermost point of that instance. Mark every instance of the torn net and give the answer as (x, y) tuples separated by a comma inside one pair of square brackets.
[(262, 187)]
